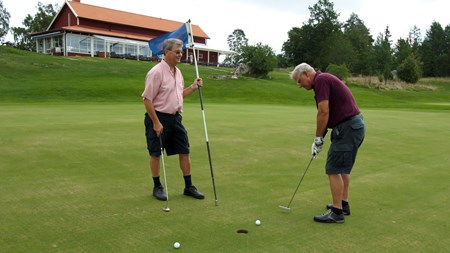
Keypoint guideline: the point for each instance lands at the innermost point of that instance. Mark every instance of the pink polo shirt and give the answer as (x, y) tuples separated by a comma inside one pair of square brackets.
[(164, 89)]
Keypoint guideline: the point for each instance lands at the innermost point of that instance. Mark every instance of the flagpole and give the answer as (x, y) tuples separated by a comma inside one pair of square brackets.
[(203, 114)]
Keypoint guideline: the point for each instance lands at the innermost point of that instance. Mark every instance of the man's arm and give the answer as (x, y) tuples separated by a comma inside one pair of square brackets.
[(193, 87), (323, 112), (157, 126)]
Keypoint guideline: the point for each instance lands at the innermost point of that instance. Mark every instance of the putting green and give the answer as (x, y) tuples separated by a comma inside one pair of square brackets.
[(75, 178)]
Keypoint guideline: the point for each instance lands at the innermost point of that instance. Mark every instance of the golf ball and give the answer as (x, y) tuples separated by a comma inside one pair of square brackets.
[(258, 222), (176, 245)]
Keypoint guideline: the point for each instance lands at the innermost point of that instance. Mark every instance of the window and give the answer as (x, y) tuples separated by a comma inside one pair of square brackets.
[(99, 45), (130, 50), (57, 41), (116, 48), (85, 44), (144, 51), (78, 43), (48, 45), (40, 46)]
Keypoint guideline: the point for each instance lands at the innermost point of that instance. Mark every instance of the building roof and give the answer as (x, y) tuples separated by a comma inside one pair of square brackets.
[(93, 12), (84, 29)]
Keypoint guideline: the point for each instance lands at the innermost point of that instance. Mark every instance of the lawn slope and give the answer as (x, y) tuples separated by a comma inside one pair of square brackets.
[(30, 77)]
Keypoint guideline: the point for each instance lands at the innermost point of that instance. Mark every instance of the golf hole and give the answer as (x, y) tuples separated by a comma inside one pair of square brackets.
[(242, 231)]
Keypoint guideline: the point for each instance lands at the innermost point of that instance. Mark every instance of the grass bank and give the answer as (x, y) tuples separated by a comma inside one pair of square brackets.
[(27, 77)]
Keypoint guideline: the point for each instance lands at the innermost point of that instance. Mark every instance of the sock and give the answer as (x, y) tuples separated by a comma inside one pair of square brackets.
[(336, 210), (344, 203), (187, 181), (156, 181)]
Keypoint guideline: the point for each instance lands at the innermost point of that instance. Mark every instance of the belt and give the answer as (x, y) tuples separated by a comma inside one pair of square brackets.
[(349, 118), (174, 114)]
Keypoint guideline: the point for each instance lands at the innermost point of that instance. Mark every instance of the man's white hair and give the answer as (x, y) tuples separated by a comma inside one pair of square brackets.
[(299, 69)]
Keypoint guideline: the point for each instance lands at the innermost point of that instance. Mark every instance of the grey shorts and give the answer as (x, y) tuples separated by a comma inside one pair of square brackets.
[(174, 137), (346, 138)]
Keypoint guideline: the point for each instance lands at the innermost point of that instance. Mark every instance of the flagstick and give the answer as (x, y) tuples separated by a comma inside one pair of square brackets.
[(203, 115)]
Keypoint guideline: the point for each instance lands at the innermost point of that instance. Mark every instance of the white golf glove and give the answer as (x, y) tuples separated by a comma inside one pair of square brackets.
[(317, 145)]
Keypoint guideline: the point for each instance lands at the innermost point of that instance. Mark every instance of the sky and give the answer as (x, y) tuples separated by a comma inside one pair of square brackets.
[(264, 21)]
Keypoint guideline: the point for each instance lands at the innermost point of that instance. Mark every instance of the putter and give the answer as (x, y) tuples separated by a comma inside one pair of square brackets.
[(166, 208), (288, 207)]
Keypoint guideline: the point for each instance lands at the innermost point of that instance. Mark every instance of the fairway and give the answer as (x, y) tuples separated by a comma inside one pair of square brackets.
[(75, 178)]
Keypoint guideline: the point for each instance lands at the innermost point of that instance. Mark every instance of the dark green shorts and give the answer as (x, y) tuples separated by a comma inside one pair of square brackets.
[(346, 138), (174, 137)]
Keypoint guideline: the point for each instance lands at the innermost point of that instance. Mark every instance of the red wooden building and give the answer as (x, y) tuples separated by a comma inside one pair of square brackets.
[(88, 30)]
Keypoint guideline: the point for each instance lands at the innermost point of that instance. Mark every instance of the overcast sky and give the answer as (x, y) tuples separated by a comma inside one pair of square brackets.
[(265, 21)]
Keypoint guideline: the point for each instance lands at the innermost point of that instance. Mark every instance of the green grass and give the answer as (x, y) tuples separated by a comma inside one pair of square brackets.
[(75, 178), (74, 174), (29, 77)]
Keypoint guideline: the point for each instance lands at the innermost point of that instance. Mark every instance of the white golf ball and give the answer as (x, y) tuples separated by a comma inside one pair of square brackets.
[(258, 222), (176, 245)]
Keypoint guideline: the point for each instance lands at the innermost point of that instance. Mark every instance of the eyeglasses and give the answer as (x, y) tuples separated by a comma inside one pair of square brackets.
[(177, 52)]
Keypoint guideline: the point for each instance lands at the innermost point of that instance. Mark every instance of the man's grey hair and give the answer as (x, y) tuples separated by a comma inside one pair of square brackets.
[(300, 69), (169, 43)]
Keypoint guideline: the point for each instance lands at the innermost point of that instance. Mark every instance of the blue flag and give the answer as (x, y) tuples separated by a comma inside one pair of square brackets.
[(156, 44)]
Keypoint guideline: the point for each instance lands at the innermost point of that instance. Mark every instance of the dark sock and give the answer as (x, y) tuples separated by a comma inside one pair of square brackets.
[(336, 210), (344, 203), (187, 181), (156, 182)]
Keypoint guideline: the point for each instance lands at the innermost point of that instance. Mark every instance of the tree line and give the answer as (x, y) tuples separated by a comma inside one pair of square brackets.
[(323, 41)]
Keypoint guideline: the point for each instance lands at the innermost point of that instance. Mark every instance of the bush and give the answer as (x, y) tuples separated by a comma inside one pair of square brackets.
[(261, 59), (341, 71), (409, 70)]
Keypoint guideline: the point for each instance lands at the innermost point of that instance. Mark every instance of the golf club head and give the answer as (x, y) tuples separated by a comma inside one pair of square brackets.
[(285, 208), (166, 209)]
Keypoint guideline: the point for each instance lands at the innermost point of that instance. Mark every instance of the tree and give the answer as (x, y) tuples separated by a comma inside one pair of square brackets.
[(402, 51), (37, 23), (282, 61), (434, 51), (305, 43), (236, 41), (446, 57), (415, 40), (324, 17), (383, 54), (409, 70), (341, 71), (359, 37), (261, 59), (324, 21), (4, 21), (337, 49), (297, 48)]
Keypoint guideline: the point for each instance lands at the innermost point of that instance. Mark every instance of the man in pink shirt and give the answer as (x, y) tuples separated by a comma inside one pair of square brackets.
[(163, 100)]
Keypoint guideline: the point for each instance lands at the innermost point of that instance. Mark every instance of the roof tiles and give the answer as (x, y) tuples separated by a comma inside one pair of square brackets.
[(126, 18)]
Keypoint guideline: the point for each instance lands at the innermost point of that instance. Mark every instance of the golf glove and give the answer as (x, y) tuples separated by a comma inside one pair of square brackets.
[(317, 145)]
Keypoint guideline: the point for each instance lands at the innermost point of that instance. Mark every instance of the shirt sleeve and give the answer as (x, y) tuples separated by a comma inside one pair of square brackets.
[(322, 90), (152, 84)]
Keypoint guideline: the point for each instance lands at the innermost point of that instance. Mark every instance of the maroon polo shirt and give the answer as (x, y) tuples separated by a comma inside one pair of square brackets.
[(342, 104)]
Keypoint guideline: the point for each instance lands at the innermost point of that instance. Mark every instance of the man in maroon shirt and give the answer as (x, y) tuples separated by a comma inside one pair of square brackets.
[(336, 109)]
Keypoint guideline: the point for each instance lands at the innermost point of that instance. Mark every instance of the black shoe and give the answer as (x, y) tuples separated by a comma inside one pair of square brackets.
[(193, 192), (330, 217), (159, 193), (345, 209)]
